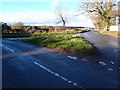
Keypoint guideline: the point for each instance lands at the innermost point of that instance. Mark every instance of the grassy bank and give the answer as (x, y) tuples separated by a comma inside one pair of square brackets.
[(67, 43), (111, 33), (14, 35), (58, 33)]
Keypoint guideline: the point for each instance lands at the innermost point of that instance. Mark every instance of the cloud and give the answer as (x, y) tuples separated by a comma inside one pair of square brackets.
[(54, 3), (37, 0), (41, 18), (27, 17)]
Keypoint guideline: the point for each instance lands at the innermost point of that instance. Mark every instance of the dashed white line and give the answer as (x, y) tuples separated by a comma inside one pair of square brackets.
[(102, 63), (9, 49), (111, 62), (56, 74)]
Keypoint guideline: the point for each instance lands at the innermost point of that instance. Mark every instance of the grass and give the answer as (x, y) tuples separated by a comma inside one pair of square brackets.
[(111, 33), (14, 35), (67, 43), (58, 33)]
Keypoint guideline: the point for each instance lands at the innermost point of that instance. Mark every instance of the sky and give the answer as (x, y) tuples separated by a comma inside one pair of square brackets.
[(41, 12)]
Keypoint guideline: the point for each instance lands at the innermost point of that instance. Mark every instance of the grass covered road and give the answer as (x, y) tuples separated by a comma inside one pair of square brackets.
[(63, 41)]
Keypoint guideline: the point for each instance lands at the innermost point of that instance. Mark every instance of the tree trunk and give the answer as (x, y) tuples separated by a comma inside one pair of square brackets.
[(107, 28), (63, 23)]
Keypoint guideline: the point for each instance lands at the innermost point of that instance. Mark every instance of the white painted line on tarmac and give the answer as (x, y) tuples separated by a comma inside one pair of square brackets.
[(103, 63), (56, 74), (9, 49), (112, 62)]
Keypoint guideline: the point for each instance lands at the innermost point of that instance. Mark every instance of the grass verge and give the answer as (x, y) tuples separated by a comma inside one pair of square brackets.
[(58, 33), (111, 33), (67, 43)]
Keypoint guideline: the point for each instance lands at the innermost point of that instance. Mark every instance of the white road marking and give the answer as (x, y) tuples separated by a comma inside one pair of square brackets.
[(9, 49), (103, 63), (111, 62), (56, 74), (71, 57)]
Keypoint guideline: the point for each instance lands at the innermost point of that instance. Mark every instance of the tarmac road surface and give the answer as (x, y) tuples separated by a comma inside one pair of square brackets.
[(29, 66)]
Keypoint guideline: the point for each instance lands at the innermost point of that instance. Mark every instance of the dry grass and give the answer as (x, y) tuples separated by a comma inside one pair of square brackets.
[(111, 33)]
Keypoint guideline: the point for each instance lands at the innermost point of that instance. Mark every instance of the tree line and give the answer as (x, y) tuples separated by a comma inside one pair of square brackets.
[(19, 27)]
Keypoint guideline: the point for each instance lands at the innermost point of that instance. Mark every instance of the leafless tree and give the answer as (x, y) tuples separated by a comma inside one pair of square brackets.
[(62, 14), (101, 11)]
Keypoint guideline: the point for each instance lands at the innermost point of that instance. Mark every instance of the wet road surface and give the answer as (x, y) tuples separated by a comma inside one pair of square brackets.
[(29, 66), (107, 45)]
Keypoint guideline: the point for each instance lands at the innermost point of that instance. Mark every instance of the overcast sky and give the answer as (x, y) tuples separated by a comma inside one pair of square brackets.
[(40, 12)]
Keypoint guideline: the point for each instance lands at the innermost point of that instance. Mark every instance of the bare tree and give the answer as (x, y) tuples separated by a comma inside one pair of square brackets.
[(101, 11), (62, 14)]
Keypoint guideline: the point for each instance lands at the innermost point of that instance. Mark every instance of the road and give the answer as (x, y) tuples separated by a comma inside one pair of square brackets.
[(107, 45), (29, 66)]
